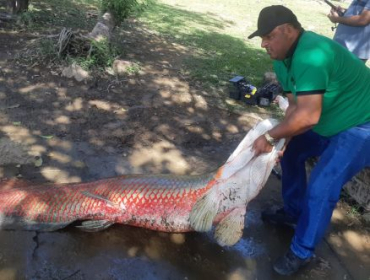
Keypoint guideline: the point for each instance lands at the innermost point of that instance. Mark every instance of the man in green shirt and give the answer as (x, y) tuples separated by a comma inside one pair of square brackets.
[(328, 116)]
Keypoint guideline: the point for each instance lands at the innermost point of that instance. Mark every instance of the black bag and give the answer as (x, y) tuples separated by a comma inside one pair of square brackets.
[(267, 93), (243, 90)]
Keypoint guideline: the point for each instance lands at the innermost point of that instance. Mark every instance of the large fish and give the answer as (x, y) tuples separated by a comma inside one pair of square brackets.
[(159, 202)]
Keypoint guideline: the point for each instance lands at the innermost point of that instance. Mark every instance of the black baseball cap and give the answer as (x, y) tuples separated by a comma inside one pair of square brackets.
[(271, 17)]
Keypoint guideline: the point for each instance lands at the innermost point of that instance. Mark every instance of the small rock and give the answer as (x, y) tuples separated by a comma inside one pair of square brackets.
[(75, 71)]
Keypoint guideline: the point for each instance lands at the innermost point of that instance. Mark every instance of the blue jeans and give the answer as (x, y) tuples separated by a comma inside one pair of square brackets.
[(312, 203)]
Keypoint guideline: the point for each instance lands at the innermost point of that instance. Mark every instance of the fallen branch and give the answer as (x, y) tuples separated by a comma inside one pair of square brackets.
[(63, 41)]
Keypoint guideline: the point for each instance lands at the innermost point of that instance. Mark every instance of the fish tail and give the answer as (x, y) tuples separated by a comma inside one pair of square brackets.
[(204, 211), (230, 229)]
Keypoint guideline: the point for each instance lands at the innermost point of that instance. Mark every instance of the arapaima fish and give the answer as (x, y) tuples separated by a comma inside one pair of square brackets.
[(167, 203)]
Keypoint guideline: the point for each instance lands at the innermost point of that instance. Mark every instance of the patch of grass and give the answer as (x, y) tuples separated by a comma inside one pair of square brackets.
[(101, 55), (40, 50), (27, 18), (58, 14), (134, 69), (121, 9), (216, 55), (353, 209), (215, 32), (219, 57), (47, 48), (79, 16), (277, 112)]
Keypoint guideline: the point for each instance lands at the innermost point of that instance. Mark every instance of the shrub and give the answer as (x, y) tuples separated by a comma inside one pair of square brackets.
[(121, 9)]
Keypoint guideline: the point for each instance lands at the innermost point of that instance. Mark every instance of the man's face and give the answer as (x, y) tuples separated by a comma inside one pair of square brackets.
[(276, 43)]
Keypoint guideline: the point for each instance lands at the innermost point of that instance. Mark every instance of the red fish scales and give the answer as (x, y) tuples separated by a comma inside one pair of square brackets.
[(136, 200)]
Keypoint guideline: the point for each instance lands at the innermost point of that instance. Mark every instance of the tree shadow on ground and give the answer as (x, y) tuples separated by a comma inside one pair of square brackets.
[(161, 120)]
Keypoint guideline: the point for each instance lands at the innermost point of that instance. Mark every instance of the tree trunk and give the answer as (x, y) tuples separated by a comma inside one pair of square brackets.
[(17, 6), (104, 28)]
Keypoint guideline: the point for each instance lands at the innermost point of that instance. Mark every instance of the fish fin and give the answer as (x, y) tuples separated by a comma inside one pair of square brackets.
[(204, 211), (95, 225), (230, 229), (110, 203)]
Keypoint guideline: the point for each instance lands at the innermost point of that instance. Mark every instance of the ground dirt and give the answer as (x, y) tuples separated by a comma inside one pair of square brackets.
[(156, 121)]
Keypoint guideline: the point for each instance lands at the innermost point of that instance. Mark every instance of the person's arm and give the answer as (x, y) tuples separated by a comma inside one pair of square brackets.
[(291, 103), (362, 19), (304, 114)]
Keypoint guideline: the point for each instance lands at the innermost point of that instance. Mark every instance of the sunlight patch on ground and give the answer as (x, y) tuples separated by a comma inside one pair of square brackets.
[(8, 273), (57, 175), (177, 238), (162, 154), (62, 158), (76, 105), (349, 241), (102, 105), (63, 120), (358, 241), (154, 248), (337, 216), (30, 88), (241, 274), (20, 134)]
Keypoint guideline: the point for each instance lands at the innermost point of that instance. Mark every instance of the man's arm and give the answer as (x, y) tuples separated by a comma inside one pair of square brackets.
[(362, 19), (302, 116), (292, 104)]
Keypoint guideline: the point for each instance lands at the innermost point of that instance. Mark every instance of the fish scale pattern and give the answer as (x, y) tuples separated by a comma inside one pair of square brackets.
[(159, 202), (155, 202)]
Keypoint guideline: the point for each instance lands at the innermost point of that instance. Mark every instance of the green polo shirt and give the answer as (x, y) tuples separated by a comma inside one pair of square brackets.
[(318, 65)]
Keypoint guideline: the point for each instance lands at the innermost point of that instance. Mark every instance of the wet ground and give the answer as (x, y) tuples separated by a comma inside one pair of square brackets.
[(124, 252)]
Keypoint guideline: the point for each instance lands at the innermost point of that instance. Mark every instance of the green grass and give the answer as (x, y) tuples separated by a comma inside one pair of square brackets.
[(102, 55), (216, 32), (56, 14)]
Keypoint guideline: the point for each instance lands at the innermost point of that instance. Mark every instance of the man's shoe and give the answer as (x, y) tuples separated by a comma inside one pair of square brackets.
[(289, 263), (278, 217)]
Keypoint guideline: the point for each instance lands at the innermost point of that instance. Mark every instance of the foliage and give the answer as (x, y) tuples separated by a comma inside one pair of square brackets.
[(102, 53), (121, 9), (55, 14), (133, 69), (27, 18), (47, 48)]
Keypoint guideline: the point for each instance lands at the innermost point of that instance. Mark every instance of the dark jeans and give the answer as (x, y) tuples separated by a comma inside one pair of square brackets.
[(312, 203)]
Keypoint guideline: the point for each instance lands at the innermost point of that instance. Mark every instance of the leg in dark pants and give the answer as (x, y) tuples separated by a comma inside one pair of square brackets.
[(346, 154), (294, 181), (342, 156)]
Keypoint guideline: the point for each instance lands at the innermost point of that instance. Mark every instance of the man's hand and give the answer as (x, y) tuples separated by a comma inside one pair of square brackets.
[(261, 146), (362, 19), (281, 152), (333, 15)]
